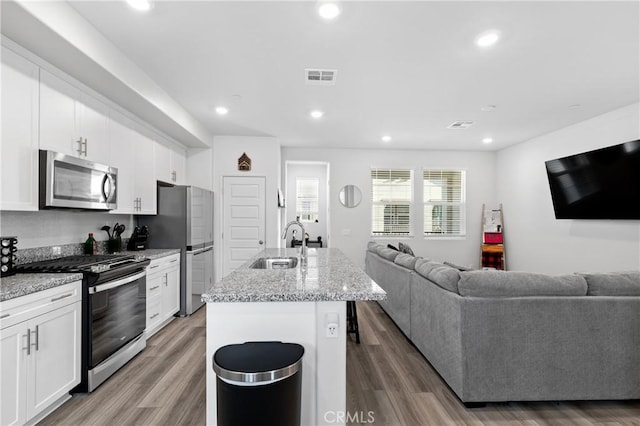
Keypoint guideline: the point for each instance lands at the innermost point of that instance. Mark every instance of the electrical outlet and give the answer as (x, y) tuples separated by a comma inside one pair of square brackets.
[(56, 250), (332, 330)]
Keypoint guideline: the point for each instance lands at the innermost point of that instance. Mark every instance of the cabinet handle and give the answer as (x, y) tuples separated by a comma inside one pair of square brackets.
[(153, 316), (174, 176), (79, 150), (84, 144), (174, 260), (28, 341), (153, 288), (37, 344), (55, 299), (4, 315), (153, 266)]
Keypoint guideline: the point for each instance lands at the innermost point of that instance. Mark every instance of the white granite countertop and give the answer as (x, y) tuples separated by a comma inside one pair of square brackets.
[(22, 284), (327, 276)]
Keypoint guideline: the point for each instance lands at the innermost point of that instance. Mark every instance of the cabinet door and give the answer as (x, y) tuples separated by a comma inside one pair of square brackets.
[(171, 292), (19, 133), (145, 188), (58, 115), (162, 163), (14, 374), (92, 118), (55, 364), (122, 138)]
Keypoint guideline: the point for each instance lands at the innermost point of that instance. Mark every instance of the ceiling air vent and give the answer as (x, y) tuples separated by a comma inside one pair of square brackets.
[(460, 125), (320, 77)]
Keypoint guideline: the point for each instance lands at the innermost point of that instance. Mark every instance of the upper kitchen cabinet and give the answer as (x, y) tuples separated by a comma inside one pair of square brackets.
[(72, 122), (132, 154), (171, 164), (19, 133)]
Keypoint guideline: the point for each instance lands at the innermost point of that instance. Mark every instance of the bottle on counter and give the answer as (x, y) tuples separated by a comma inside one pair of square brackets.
[(91, 245)]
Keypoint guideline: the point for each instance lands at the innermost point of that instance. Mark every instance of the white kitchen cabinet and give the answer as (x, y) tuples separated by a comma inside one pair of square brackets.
[(132, 154), (71, 121), (163, 292), (19, 133), (40, 349), (171, 164)]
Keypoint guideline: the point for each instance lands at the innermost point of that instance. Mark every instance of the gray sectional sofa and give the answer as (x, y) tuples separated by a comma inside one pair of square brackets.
[(516, 336)]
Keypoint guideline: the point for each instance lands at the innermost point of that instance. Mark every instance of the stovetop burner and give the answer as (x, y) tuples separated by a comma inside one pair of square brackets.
[(80, 263)]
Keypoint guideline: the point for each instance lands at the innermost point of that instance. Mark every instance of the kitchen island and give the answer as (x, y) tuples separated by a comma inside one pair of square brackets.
[(293, 305)]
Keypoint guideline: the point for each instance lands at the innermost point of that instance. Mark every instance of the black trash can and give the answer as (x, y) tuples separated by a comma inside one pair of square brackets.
[(259, 383)]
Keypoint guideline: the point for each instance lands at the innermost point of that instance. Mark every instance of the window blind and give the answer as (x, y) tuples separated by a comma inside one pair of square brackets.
[(444, 201), (307, 199), (391, 197)]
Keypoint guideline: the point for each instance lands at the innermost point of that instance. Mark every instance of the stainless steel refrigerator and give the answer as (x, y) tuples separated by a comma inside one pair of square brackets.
[(185, 221)]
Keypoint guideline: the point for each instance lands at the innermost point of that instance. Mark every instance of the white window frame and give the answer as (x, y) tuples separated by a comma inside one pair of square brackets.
[(461, 204), (375, 204), (313, 215)]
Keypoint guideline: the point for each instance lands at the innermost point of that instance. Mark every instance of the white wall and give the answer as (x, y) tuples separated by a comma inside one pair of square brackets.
[(265, 156), (350, 229), (200, 168), (307, 170), (535, 240), (58, 227)]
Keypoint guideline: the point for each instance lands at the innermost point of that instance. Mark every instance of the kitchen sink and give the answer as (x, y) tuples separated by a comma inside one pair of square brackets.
[(275, 263)]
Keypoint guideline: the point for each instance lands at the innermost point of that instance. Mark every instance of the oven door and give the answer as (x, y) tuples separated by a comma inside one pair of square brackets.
[(118, 312), (67, 181)]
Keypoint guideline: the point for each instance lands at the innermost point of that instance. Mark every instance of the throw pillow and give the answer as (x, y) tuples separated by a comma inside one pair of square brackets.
[(387, 253), (392, 247), (372, 246), (404, 248)]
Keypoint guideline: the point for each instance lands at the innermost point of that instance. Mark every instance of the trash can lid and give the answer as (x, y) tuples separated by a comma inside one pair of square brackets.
[(257, 362)]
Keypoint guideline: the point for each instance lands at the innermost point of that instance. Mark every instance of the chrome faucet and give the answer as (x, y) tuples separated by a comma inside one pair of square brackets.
[(303, 248)]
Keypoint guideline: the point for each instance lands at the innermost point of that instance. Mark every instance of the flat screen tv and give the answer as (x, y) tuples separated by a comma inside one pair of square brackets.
[(599, 184)]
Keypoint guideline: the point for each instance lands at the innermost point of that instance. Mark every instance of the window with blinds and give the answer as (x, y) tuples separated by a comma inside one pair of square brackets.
[(307, 190), (444, 202), (392, 198)]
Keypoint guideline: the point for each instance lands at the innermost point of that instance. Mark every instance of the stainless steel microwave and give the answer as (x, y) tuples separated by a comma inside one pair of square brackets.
[(67, 181)]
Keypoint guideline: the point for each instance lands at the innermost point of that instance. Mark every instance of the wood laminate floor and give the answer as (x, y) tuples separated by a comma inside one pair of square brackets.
[(388, 382)]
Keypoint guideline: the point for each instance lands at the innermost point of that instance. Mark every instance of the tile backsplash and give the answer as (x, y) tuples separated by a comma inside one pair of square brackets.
[(59, 227)]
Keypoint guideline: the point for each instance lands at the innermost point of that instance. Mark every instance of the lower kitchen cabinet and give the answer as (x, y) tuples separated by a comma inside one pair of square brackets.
[(40, 352), (163, 292)]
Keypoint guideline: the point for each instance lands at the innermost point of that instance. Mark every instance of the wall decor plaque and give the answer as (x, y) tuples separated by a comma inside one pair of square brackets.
[(244, 163)]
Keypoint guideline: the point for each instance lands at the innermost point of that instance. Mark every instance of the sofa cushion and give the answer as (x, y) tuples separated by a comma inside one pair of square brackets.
[(445, 277), (373, 246), (405, 260), (424, 266), (387, 253), (458, 267), (519, 284), (624, 283)]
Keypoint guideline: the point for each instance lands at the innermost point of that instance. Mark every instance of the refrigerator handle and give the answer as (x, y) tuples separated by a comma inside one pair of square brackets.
[(202, 250)]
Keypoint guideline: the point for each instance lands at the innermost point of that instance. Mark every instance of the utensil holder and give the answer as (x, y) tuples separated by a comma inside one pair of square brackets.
[(115, 245)]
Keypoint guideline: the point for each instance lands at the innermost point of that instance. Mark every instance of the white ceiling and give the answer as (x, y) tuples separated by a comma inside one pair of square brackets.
[(407, 69)]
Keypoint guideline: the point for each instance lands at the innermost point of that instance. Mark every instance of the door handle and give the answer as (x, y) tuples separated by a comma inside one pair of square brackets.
[(261, 242)]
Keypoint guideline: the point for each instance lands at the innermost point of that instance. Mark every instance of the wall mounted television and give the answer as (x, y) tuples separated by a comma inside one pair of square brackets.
[(599, 184)]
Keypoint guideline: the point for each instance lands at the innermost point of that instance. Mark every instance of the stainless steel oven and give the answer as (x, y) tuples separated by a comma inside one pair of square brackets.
[(117, 312), (67, 181)]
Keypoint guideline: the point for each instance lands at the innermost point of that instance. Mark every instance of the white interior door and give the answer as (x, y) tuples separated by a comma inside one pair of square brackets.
[(243, 224)]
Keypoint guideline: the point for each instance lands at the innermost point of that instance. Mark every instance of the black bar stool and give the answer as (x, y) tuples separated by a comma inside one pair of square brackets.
[(352, 320)]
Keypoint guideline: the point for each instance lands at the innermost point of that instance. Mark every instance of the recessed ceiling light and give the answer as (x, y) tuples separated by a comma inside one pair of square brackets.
[(487, 140), (574, 106), (316, 114), (488, 108), (329, 10), (141, 5), (488, 38), (222, 110), (386, 138)]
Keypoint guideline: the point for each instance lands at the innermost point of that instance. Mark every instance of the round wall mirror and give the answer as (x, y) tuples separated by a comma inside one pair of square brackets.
[(350, 196)]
